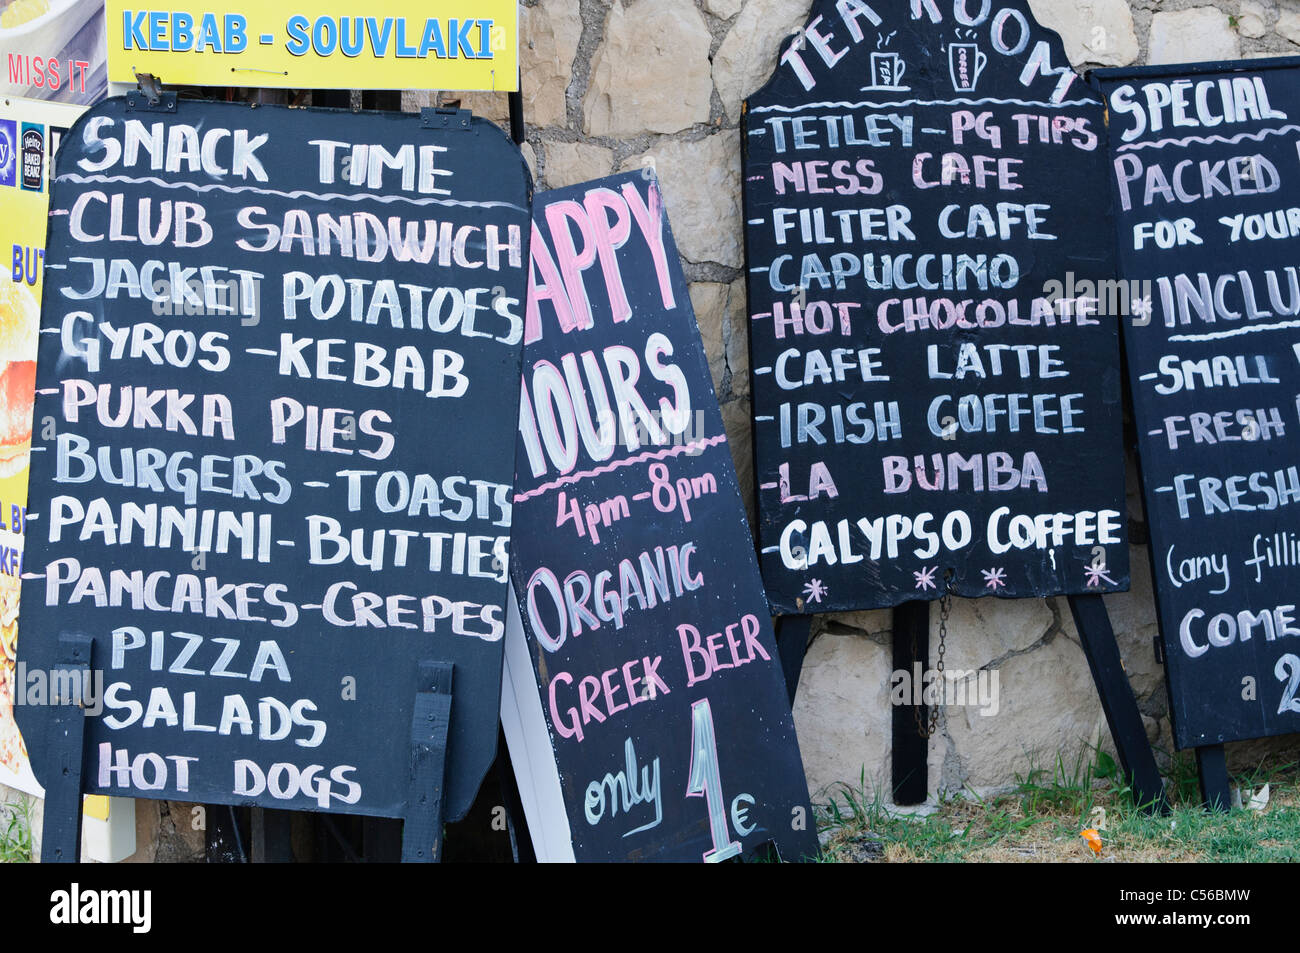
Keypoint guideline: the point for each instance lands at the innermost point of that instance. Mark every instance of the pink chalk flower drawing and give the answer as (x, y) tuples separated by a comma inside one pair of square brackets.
[(994, 578), (1093, 576), (814, 589), (925, 578)]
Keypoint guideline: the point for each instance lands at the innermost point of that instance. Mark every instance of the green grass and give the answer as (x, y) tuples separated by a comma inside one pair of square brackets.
[(1040, 820), (15, 833)]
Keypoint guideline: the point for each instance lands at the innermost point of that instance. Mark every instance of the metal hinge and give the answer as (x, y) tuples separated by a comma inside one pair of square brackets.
[(150, 95), (438, 117)]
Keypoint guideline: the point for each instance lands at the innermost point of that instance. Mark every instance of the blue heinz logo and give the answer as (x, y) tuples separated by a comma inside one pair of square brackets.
[(8, 151)]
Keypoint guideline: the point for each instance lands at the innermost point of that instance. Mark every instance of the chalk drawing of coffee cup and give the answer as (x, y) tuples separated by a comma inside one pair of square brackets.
[(886, 71), (965, 64)]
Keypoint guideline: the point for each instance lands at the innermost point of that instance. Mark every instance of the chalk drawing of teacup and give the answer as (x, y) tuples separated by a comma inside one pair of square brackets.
[(886, 71), (965, 64)]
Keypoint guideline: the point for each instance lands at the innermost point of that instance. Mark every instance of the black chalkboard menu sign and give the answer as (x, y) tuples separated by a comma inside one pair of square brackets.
[(652, 670), (936, 382), (274, 452), (1207, 190)]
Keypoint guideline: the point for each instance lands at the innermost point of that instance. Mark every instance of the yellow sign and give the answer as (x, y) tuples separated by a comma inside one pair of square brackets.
[(29, 135), (96, 806), (438, 44)]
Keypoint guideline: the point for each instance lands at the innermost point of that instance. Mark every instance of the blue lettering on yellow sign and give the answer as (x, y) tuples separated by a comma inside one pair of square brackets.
[(178, 32), (387, 36), (351, 43), (402, 49), (461, 32), (432, 41), (380, 44), (161, 32), (27, 264), (182, 31)]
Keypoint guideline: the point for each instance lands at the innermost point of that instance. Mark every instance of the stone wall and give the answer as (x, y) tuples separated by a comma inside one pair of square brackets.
[(611, 85)]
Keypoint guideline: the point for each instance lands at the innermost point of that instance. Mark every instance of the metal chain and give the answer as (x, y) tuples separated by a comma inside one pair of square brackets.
[(945, 609)]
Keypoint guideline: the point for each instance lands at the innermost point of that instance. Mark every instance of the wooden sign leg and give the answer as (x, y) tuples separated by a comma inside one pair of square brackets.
[(1135, 757), (430, 721), (908, 749), (521, 842), (61, 831), (792, 644), (1212, 766), (381, 840), (271, 836), (225, 845), (516, 101)]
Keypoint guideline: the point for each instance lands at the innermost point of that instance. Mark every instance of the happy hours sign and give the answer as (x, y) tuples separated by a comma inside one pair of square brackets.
[(936, 383), (271, 473), (637, 585)]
